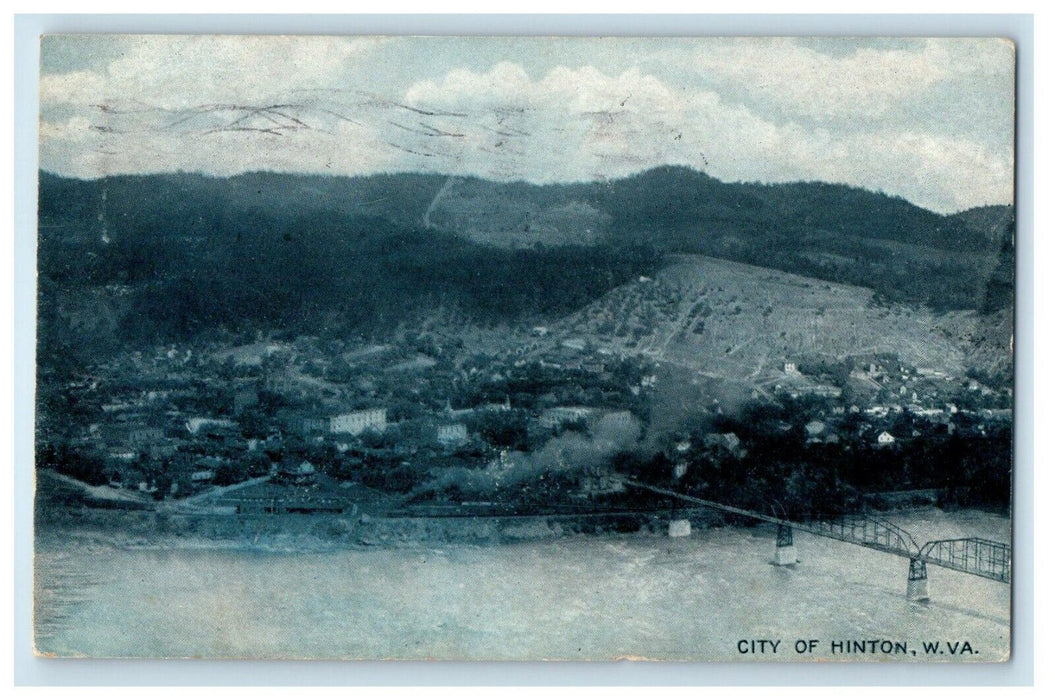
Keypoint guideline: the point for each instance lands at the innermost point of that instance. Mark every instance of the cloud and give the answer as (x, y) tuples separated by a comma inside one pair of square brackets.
[(217, 104), (582, 124), (174, 72), (572, 124), (774, 110), (799, 80)]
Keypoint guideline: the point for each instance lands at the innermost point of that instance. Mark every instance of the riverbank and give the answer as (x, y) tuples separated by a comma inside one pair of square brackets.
[(325, 532)]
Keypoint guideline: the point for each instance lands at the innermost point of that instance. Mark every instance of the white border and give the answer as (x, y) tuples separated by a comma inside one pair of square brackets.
[(29, 670)]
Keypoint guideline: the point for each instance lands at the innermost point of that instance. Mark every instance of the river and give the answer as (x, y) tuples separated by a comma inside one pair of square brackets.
[(576, 597)]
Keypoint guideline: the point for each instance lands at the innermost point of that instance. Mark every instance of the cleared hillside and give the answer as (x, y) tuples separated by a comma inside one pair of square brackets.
[(741, 321), (518, 216)]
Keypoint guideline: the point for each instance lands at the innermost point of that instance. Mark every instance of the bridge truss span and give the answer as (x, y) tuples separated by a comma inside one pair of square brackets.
[(972, 555), (866, 531)]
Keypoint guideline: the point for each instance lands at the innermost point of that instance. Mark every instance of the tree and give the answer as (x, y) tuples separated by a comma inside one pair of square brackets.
[(253, 424), (233, 472), (258, 464), (504, 428)]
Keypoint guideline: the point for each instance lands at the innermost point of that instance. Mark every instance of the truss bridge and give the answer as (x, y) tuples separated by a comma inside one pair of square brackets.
[(969, 555)]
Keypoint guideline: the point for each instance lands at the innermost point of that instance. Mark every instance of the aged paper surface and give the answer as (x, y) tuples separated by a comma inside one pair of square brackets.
[(525, 348)]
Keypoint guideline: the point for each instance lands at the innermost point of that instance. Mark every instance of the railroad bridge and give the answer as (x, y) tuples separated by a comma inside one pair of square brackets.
[(970, 555)]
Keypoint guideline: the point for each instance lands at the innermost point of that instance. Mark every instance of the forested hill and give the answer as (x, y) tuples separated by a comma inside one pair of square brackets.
[(189, 252), (991, 222), (674, 204)]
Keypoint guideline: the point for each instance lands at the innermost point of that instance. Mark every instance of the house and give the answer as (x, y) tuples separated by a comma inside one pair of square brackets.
[(195, 425), (305, 425), (885, 439), (791, 368), (827, 391), (452, 435), (814, 429), (161, 449), (496, 407), (726, 441), (312, 425), (562, 415), (450, 412), (600, 483), (358, 422), (302, 474), (132, 435), (504, 461)]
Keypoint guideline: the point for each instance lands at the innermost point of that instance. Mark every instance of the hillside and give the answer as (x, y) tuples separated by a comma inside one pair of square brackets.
[(141, 259), (735, 321), (832, 232), (992, 221)]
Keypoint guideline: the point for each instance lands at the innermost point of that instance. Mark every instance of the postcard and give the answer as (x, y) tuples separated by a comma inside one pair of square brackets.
[(525, 348)]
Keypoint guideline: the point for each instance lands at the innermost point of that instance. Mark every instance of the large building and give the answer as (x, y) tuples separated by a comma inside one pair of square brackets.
[(452, 435), (196, 424), (133, 435), (562, 415), (311, 425), (359, 421)]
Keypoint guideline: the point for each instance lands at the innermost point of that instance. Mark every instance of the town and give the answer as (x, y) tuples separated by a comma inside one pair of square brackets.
[(429, 422)]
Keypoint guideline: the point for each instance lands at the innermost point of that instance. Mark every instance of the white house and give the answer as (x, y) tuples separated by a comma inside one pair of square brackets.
[(359, 421), (577, 344), (561, 415), (194, 425), (885, 438), (815, 428), (452, 435), (729, 441), (302, 474)]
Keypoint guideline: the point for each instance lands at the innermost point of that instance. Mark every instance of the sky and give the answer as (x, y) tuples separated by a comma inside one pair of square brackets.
[(930, 120)]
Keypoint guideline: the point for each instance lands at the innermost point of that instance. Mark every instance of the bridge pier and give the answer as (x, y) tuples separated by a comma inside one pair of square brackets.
[(679, 528), (785, 554), (917, 580)]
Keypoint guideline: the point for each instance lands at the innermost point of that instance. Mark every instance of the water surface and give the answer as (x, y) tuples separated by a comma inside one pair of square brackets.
[(577, 597)]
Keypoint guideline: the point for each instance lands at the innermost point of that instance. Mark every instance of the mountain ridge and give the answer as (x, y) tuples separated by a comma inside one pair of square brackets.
[(405, 196), (197, 252)]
